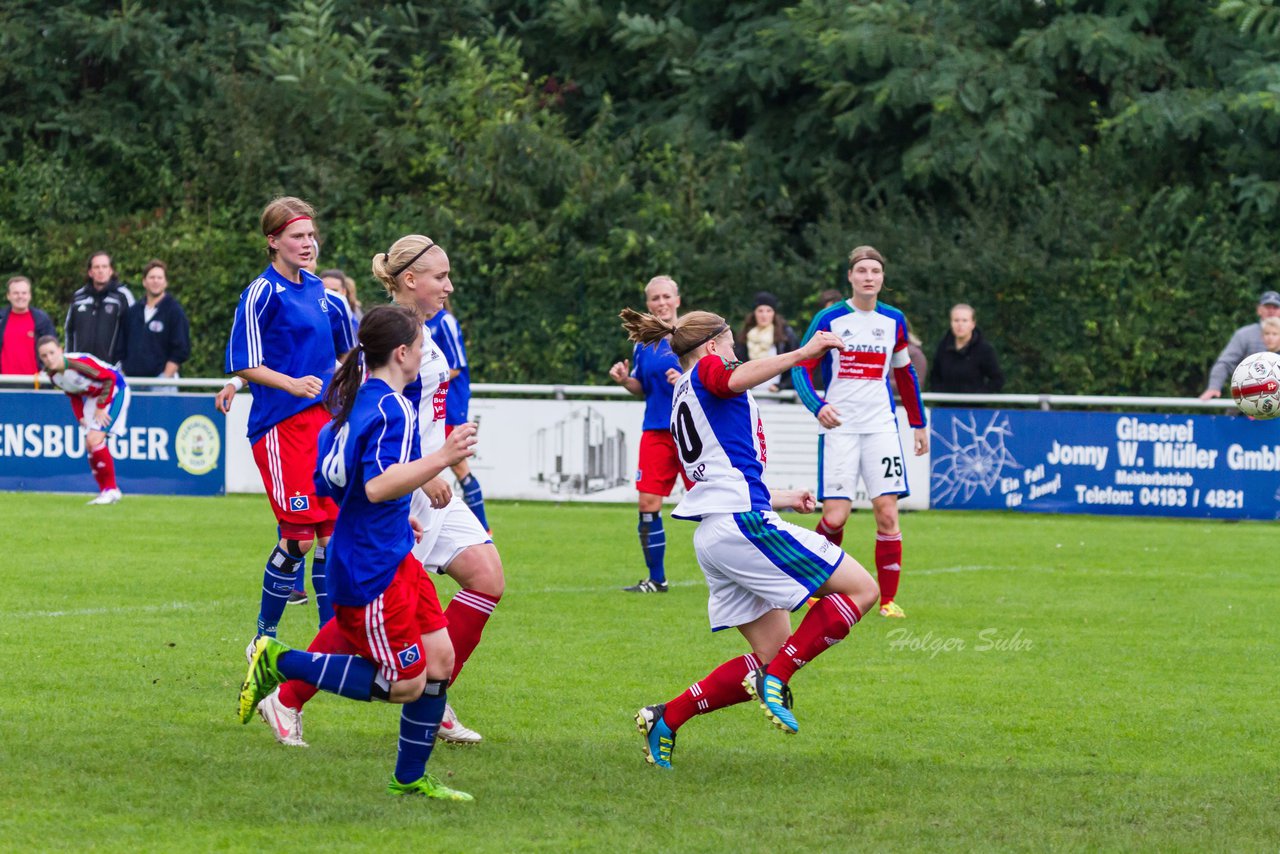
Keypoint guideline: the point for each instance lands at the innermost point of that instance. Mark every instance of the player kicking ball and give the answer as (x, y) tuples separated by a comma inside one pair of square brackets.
[(758, 567), (392, 644)]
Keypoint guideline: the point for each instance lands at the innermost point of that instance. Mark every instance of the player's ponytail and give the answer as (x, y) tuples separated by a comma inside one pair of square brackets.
[(688, 332), (382, 330), (407, 253)]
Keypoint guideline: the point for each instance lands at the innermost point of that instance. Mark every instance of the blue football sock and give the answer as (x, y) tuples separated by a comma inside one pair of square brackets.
[(300, 580), (347, 676), (321, 584), (277, 583), (653, 542), (474, 497), (419, 722)]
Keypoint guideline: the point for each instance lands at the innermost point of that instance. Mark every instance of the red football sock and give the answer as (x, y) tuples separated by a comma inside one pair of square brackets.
[(103, 466), (467, 613), (834, 535), (722, 687), (888, 565), (826, 624), (295, 693)]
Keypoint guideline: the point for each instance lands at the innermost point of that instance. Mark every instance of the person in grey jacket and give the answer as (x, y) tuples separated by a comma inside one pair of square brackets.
[(1246, 341)]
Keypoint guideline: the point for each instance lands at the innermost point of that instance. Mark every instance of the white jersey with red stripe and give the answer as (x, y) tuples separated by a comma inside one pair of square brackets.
[(93, 377), (857, 376), (720, 440), (429, 393)]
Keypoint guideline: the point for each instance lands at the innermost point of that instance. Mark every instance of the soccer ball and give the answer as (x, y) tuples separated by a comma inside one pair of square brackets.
[(1255, 386)]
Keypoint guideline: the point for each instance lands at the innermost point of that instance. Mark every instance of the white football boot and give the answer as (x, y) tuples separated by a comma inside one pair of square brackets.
[(452, 730), (285, 723)]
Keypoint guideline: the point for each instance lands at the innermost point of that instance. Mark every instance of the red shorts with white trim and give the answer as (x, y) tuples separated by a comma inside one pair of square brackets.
[(389, 630), (659, 464), (286, 458)]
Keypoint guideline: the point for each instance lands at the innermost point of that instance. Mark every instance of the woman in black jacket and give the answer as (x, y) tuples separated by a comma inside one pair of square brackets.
[(764, 333), (965, 362)]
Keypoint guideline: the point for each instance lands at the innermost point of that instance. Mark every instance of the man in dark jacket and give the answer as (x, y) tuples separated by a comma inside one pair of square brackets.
[(965, 362), (157, 337), (21, 326), (95, 321)]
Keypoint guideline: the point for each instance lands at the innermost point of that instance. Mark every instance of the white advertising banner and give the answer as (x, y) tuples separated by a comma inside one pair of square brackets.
[(587, 450)]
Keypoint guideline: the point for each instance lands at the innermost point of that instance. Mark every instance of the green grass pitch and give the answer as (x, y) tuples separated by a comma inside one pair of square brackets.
[(1061, 683)]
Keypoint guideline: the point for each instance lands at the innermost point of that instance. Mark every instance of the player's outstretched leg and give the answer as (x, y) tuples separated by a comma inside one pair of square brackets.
[(659, 739), (455, 731)]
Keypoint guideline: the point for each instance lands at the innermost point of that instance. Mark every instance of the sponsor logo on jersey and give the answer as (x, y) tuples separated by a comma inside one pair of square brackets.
[(300, 503), (877, 332), (407, 657)]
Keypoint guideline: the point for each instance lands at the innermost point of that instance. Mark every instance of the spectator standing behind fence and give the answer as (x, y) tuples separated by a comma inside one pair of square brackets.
[(1246, 341), (1270, 334), (95, 321), (157, 336), (965, 362), (21, 326), (766, 333)]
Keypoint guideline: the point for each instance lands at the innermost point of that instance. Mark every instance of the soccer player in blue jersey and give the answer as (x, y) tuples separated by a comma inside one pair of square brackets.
[(858, 431), (394, 646), (651, 372), (284, 342), (447, 334), (415, 272), (758, 567)]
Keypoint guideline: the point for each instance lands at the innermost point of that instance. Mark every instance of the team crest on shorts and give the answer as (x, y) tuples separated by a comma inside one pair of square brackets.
[(300, 503), (639, 472), (407, 657)]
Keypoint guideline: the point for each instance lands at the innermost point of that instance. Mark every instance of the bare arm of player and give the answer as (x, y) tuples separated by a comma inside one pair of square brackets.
[(307, 386), (620, 373), (402, 478), (921, 440), (799, 500), (751, 374)]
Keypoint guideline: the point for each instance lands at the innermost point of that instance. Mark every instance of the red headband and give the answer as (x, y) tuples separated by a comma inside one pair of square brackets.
[(286, 225)]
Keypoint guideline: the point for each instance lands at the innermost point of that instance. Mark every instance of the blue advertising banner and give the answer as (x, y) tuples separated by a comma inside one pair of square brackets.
[(173, 445), (1218, 466)]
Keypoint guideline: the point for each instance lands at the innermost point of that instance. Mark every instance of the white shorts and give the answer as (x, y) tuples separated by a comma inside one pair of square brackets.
[(117, 428), (877, 458), (755, 562), (445, 532)]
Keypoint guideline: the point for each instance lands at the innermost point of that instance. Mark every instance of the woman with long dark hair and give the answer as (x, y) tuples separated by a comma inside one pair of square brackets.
[(387, 639)]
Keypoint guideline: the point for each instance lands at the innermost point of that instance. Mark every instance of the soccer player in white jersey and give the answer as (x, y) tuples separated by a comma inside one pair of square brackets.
[(100, 401), (858, 431), (758, 567), (415, 272)]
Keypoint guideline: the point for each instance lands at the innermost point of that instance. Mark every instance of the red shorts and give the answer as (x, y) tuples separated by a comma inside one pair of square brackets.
[(659, 463), (389, 630), (286, 458)]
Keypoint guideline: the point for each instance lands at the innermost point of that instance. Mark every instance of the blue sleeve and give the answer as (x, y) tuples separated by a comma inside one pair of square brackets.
[(801, 379), (341, 324), (450, 342), (391, 440), (636, 358), (244, 348)]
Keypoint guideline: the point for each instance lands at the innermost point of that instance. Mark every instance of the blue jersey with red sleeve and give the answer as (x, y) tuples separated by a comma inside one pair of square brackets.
[(447, 334), (369, 539), (649, 365), (291, 327)]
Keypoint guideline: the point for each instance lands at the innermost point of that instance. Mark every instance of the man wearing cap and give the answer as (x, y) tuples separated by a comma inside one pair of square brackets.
[(1246, 341)]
